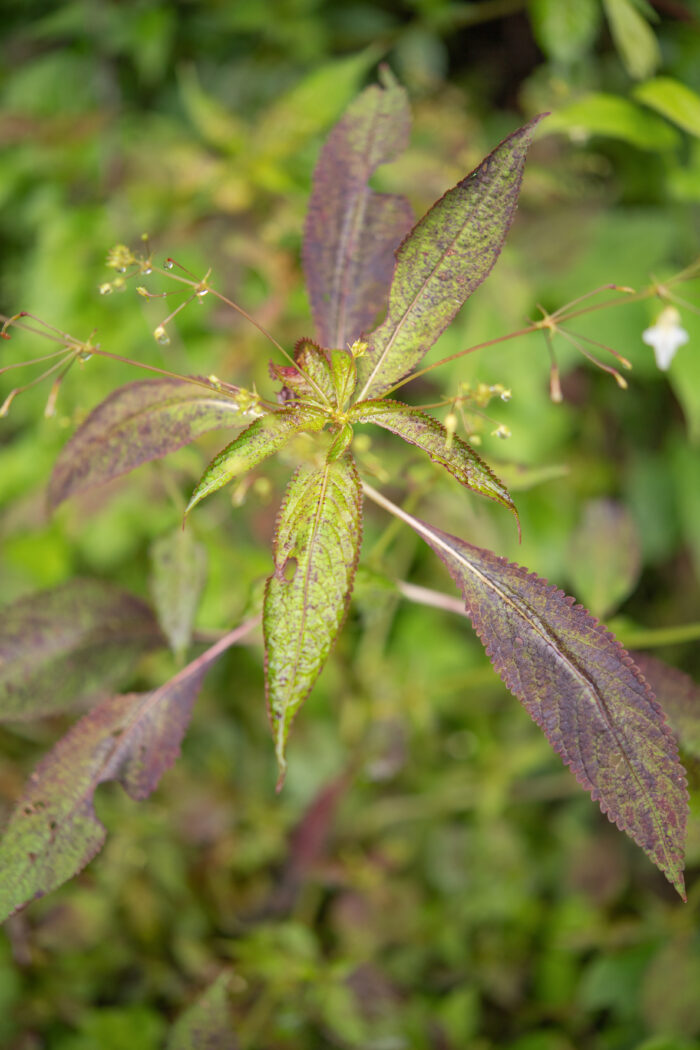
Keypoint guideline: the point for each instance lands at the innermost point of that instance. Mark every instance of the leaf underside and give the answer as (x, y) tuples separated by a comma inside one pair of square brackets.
[(61, 648), (583, 690), (445, 257), (315, 552), (419, 429), (139, 422), (679, 696), (352, 232)]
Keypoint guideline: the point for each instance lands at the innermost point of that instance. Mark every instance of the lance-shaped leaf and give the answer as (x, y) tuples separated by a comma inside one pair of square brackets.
[(54, 831), (444, 258), (427, 433), (138, 423), (582, 689), (311, 378), (262, 438), (679, 696), (178, 576), (351, 231), (316, 548), (61, 648), (206, 1025)]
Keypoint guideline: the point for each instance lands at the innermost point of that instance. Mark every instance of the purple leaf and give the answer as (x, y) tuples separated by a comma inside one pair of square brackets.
[(54, 831), (445, 257), (138, 423), (351, 231), (206, 1025), (61, 648), (679, 696)]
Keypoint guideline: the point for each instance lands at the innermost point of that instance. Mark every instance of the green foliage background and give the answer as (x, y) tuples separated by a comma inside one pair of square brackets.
[(465, 893)]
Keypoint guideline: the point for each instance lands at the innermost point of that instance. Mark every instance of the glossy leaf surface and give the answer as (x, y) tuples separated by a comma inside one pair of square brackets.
[(63, 647), (316, 549), (262, 438), (351, 231), (206, 1024), (138, 423), (443, 260), (429, 434), (178, 575), (54, 831), (582, 689), (679, 696)]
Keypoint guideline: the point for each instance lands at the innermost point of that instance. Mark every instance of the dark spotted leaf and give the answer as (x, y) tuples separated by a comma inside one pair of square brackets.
[(445, 257), (178, 576), (63, 647), (54, 831), (419, 429), (138, 423), (679, 696), (351, 231), (206, 1025), (316, 549)]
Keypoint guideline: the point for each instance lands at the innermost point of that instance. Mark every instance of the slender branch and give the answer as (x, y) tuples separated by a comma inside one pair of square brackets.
[(426, 596)]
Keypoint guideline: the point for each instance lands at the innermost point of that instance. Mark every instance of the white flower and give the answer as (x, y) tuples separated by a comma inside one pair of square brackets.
[(666, 336)]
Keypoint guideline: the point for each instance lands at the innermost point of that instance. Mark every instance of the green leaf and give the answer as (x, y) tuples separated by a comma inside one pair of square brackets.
[(634, 38), (580, 686), (315, 552), (262, 438), (679, 696), (141, 422), (605, 556), (54, 831), (178, 576), (445, 257), (419, 429), (614, 117), (673, 100), (344, 375), (565, 29), (352, 232), (206, 1025), (61, 648)]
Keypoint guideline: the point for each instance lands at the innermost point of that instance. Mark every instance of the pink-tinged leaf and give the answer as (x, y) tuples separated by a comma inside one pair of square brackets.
[(207, 1025), (54, 831), (428, 434), (679, 696), (262, 438), (61, 648), (311, 378), (351, 231), (445, 257), (138, 423), (583, 690), (316, 548)]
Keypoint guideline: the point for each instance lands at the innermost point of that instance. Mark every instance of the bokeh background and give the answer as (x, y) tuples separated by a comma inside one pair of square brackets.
[(431, 877)]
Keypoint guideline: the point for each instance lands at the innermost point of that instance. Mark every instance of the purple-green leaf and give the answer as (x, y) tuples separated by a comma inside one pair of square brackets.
[(679, 696), (427, 433), (138, 423), (316, 548), (61, 648), (206, 1024), (311, 378), (583, 690), (54, 831), (261, 439), (445, 257), (351, 231), (178, 576)]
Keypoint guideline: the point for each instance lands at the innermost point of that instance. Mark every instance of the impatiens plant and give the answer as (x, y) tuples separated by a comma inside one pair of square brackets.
[(364, 261)]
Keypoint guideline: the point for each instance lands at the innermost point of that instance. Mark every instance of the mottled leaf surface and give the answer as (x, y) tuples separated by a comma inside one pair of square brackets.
[(351, 231), (61, 648), (311, 378), (54, 831), (316, 549), (138, 423), (605, 556), (178, 575), (582, 689), (419, 429), (261, 439), (443, 260), (679, 696), (206, 1025)]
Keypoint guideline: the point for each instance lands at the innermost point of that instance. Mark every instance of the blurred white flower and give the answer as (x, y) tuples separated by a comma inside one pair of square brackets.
[(666, 336)]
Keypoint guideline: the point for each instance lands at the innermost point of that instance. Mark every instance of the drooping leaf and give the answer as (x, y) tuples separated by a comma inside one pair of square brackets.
[(445, 257), (138, 423), (178, 575), (604, 556), (261, 439), (634, 38), (206, 1025), (582, 689), (351, 231), (63, 647), (427, 433), (54, 831), (679, 696), (315, 552)]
